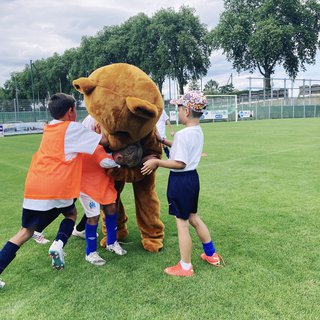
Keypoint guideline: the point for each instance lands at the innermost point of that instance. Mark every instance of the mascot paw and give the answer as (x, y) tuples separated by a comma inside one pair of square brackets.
[(103, 242), (152, 245)]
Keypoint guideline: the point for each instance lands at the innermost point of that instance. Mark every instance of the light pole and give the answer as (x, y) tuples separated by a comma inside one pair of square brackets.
[(32, 87)]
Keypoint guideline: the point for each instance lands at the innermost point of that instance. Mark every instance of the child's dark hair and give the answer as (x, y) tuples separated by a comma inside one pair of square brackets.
[(59, 104), (196, 114), (132, 155)]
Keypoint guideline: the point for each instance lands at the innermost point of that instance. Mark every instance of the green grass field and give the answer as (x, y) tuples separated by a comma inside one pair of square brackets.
[(260, 197)]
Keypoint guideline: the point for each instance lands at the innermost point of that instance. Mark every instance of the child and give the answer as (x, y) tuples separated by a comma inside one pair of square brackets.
[(161, 127), (97, 189), (183, 184), (53, 179)]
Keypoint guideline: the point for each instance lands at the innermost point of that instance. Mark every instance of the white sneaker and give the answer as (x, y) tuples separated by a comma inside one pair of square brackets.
[(95, 259), (38, 237), (79, 234), (116, 248), (57, 255), (2, 283)]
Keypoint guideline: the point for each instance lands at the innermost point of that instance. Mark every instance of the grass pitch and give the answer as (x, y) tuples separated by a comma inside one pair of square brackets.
[(259, 196)]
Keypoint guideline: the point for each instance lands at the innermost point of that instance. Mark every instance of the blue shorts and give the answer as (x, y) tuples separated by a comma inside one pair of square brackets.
[(40, 219), (183, 193)]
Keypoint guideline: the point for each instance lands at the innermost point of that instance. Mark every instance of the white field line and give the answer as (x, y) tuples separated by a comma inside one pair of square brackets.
[(258, 155)]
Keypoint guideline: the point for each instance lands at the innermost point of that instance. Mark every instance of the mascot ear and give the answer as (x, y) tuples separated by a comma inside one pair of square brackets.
[(142, 108), (84, 85)]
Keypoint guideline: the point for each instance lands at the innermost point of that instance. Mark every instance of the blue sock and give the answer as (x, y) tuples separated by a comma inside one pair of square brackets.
[(65, 230), (7, 254), (91, 238), (208, 248), (111, 225), (166, 151)]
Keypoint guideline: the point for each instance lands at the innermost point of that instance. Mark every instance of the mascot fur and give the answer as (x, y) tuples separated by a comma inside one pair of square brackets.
[(128, 104)]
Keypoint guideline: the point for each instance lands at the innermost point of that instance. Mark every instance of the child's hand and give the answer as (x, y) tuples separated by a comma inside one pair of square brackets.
[(149, 166)]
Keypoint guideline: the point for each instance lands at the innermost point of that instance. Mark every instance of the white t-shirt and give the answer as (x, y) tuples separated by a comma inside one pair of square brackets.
[(161, 124), (78, 139), (90, 123), (187, 147)]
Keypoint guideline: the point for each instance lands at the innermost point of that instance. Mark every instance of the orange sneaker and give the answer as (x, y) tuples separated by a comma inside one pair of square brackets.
[(215, 259), (177, 270)]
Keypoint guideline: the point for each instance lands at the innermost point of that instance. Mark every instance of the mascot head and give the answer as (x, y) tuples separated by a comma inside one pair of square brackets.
[(124, 100)]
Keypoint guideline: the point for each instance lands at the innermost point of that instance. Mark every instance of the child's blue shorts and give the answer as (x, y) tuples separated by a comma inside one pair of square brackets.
[(183, 193), (34, 218)]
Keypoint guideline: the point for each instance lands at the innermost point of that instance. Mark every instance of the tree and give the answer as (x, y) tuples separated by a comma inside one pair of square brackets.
[(183, 46), (260, 34), (211, 87), (226, 89), (193, 85)]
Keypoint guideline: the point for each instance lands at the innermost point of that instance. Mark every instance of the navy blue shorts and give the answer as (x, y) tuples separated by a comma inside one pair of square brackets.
[(41, 219), (183, 193)]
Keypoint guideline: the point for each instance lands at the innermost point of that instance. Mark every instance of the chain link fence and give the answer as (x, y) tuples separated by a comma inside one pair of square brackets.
[(285, 99), (25, 111)]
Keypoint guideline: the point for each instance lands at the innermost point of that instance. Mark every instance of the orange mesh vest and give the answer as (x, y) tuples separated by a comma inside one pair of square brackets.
[(50, 176), (95, 182)]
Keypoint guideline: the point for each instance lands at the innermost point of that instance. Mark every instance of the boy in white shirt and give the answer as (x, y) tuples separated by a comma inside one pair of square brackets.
[(161, 127), (183, 184), (53, 180)]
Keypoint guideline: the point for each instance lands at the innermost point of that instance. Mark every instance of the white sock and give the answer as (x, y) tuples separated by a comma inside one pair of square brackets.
[(185, 266), (60, 243)]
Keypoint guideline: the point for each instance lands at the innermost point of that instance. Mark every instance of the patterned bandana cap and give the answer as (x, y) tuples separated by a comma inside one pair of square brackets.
[(176, 101), (195, 100)]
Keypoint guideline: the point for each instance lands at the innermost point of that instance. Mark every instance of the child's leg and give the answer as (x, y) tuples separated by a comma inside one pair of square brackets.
[(113, 245), (185, 242), (110, 212), (203, 233), (38, 235), (92, 212), (8, 252), (30, 219), (82, 224), (65, 230), (67, 224), (184, 267), (200, 227), (166, 151), (91, 234), (46, 221)]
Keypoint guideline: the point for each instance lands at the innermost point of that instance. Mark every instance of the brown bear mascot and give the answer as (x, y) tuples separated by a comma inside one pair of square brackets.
[(128, 104)]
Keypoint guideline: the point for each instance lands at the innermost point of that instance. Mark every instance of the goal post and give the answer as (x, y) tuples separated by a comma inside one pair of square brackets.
[(220, 108)]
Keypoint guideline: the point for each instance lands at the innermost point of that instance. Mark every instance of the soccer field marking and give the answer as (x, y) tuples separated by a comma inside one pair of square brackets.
[(259, 155)]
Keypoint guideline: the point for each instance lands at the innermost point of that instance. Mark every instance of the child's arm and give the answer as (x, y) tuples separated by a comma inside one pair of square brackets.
[(153, 164), (166, 142), (163, 140), (108, 163), (170, 127)]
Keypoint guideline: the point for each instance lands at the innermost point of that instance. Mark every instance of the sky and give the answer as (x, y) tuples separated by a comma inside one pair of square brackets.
[(35, 29)]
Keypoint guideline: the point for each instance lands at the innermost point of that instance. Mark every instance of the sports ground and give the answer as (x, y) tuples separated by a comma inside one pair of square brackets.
[(260, 198)]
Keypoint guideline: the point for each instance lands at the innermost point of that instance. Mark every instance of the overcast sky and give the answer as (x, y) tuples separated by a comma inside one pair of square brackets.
[(35, 29)]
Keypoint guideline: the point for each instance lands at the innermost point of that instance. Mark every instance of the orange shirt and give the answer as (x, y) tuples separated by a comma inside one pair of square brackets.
[(50, 176), (95, 182)]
